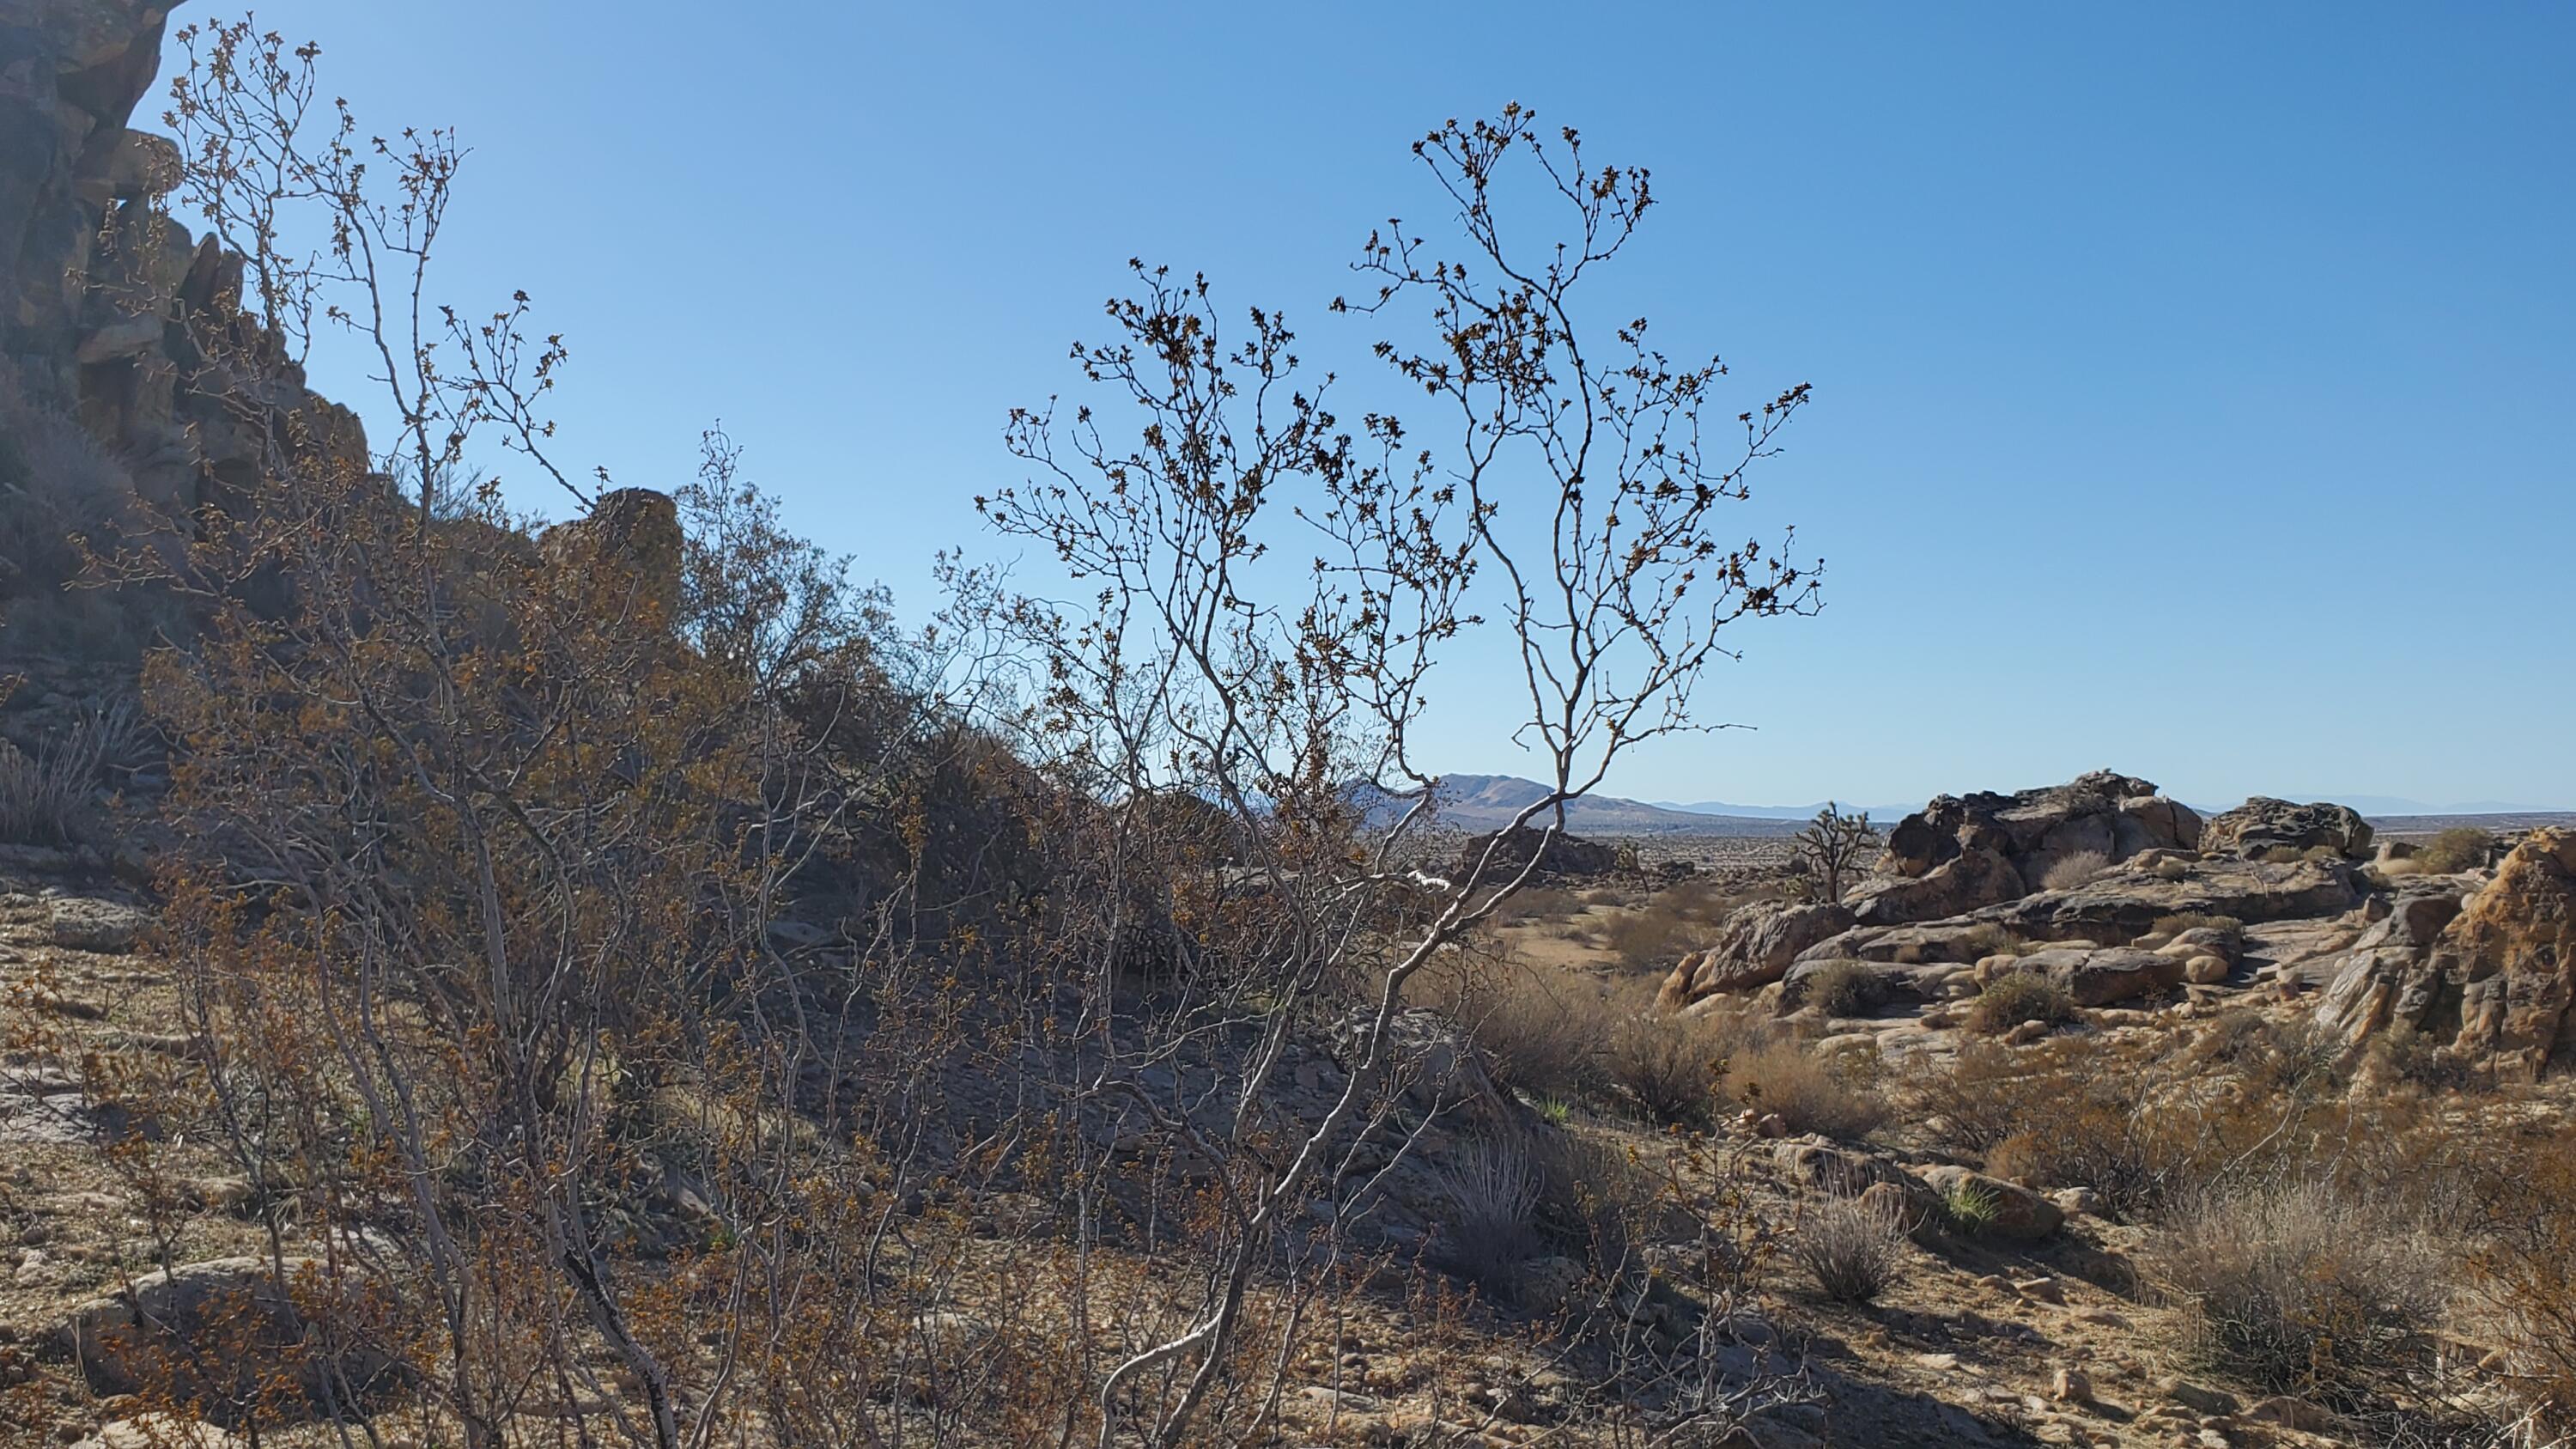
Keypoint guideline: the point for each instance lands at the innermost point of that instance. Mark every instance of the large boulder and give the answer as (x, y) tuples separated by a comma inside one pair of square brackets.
[(2113, 815), (1560, 856), (1976, 877), (2387, 976), (630, 540), (2263, 824), (224, 1332), (2099, 976), (1754, 947)]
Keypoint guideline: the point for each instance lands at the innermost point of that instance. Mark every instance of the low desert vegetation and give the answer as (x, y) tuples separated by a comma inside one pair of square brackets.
[(2460, 848), (2305, 1288), (1843, 988), (1783, 1077), (2074, 871), (2017, 997)]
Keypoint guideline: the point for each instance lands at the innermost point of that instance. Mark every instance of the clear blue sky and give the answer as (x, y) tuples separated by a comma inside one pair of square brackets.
[(2193, 384)]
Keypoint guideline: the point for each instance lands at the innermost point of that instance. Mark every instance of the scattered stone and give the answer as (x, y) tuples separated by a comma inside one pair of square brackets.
[(2205, 970), (2198, 1398), (2070, 1386), (2045, 1289)]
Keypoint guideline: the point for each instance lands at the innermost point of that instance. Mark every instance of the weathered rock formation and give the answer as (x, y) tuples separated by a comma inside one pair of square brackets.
[(107, 305), (1564, 856), (1961, 853), (1754, 948), (2491, 973), (2264, 824)]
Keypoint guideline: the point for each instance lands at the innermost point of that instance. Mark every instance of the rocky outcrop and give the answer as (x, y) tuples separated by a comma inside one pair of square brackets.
[(2264, 824), (1754, 947), (2008, 1210), (2123, 905), (1996, 846), (110, 312), (2492, 973), (636, 533), (1560, 856)]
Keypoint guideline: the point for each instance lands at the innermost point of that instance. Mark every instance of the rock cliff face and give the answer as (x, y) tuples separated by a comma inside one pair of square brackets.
[(2492, 972), (106, 301)]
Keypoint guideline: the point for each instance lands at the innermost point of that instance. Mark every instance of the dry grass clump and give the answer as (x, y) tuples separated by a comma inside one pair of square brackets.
[(1493, 1196), (1853, 1251), (1784, 1077), (2075, 870), (48, 798), (1542, 1033), (2462, 848), (2016, 997), (2300, 1287), (2165, 928)]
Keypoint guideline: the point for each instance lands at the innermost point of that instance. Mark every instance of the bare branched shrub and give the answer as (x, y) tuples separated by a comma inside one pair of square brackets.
[(2299, 1288), (1851, 1250), (1667, 1068), (2070, 872)]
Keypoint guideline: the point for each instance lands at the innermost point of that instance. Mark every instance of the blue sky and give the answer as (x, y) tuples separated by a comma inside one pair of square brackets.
[(2193, 384)]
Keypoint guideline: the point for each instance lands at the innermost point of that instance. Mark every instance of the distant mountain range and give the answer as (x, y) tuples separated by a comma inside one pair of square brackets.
[(1488, 802), (1789, 812)]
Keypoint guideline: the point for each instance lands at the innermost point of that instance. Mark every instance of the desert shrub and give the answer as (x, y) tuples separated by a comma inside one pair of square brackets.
[(2523, 1274), (1539, 903), (1602, 897), (2462, 848), (1594, 1200), (1785, 1077), (1851, 1250), (2016, 997), (1843, 988), (2403, 1053), (1667, 1068), (1542, 1033), (46, 798), (1492, 1195), (2075, 870), (2298, 1287)]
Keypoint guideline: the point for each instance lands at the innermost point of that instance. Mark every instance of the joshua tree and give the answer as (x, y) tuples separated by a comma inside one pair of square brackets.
[(1833, 847)]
